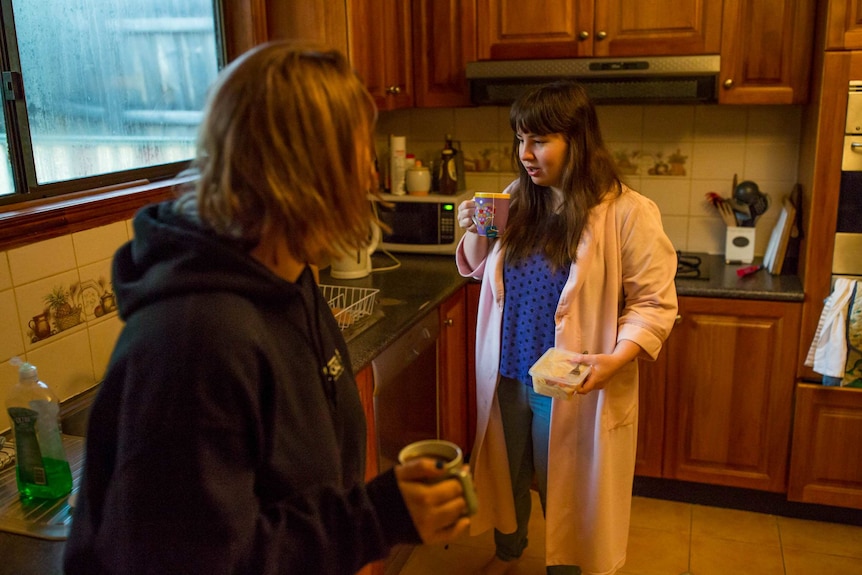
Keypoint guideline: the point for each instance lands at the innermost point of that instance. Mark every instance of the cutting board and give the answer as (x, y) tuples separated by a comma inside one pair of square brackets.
[(773, 260)]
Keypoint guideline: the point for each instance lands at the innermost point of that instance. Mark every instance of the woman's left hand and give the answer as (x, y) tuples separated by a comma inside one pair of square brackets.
[(603, 366)]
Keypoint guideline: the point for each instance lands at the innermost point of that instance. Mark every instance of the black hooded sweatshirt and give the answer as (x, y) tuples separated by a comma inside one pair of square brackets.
[(227, 435)]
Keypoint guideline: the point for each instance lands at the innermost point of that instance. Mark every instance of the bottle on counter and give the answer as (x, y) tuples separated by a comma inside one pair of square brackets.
[(42, 469), (447, 174)]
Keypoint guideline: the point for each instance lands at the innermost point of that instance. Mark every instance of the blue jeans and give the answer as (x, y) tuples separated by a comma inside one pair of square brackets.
[(526, 423)]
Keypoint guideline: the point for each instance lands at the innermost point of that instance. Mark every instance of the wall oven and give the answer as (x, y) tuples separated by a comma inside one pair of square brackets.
[(847, 254)]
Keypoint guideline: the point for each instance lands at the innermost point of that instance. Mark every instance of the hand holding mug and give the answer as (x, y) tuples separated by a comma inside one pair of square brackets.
[(439, 506), (467, 215)]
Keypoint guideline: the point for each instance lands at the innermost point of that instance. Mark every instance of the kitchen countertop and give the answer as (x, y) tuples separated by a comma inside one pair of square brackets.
[(724, 283), (418, 286), (423, 282)]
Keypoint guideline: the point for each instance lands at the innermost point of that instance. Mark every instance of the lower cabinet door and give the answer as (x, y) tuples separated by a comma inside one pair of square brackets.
[(825, 465)]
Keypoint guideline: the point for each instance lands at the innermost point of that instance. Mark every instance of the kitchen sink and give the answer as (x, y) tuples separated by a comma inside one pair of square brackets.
[(41, 518)]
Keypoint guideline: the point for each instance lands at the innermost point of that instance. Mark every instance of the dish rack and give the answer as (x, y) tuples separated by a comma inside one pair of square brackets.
[(349, 304)]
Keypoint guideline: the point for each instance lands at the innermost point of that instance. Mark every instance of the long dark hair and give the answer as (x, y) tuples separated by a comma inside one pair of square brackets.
[(588, 177)]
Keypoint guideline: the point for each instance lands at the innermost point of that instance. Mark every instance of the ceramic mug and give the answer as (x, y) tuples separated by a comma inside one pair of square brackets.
[(453, 462), (492, 211)]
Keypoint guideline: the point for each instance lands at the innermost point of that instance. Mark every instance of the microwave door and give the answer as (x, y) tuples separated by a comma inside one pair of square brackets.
[(412, 224)]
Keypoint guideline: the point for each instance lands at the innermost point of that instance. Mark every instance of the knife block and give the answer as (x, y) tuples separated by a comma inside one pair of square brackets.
[(739, 245)]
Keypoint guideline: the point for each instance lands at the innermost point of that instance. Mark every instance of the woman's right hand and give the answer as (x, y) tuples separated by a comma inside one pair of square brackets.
[(466, 215), (437, 507)]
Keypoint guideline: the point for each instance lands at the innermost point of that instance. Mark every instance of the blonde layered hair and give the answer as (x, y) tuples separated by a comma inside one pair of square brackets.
[(285, 149)]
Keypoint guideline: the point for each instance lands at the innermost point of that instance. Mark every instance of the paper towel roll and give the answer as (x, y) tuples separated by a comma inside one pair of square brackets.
[(398, 163)]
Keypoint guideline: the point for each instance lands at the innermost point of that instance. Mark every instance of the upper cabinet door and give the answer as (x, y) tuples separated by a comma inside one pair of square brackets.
[(844, 25), (573, 28), (512, 30), (766, 51), (444, 40), (380, 40), (659, 28)]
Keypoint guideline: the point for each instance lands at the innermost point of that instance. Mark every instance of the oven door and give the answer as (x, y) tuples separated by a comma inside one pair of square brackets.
[(847, 254)]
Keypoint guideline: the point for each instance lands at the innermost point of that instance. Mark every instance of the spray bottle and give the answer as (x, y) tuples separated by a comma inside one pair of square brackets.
[(42, 469)]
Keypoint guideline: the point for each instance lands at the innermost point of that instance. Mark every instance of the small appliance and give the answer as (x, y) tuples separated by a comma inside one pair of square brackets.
[(357, 264), (421, 224)]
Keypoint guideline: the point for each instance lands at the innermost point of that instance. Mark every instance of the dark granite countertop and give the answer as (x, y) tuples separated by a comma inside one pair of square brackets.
[(418, 286), (724, 283), (423, 282)]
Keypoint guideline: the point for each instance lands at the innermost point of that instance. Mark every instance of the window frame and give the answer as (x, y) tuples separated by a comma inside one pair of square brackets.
[(27, 189)]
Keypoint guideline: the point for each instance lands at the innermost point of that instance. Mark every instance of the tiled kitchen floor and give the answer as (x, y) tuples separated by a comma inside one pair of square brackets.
[(673, 538)]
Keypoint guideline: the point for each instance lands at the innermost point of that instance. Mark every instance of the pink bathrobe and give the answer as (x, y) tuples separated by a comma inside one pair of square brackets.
[(622, 287)]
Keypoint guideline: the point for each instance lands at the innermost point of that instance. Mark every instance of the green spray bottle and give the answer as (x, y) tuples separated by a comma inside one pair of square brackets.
[(42, 469)]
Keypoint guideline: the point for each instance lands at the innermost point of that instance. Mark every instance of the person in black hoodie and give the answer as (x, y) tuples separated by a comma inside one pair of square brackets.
[(228, 435)]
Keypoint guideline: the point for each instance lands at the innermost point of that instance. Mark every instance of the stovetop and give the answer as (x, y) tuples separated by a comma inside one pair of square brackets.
[(692, 265)]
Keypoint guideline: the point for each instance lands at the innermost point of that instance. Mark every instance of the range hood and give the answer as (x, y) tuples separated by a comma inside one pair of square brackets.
[(653, 80)]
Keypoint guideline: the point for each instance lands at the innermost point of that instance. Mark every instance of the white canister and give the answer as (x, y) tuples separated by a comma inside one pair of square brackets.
[(418, 179)]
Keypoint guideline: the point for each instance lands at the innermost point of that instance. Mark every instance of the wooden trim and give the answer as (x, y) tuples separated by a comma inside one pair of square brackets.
[(44, 219)]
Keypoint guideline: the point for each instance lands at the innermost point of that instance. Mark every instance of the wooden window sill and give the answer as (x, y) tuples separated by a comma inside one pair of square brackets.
[(44, 219)]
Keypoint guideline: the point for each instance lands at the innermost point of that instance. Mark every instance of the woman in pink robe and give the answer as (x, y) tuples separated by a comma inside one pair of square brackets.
[(583, 265)]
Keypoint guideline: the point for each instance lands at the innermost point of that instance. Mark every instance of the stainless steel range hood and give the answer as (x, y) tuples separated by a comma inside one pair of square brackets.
[(654, 80)]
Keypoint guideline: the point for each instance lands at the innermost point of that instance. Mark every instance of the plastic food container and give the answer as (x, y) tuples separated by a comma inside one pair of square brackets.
[(557, 374)]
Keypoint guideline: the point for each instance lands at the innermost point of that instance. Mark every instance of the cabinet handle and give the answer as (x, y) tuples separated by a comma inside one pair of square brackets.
[(449, 321), (728, 84), (394, 90), (855, 145), (601, 35), (583, 35)]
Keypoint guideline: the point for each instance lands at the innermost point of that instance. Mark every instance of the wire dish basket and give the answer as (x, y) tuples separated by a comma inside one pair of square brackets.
[(349, 304)]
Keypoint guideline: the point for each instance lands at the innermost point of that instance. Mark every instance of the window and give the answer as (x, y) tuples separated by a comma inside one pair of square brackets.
[(99, 92)]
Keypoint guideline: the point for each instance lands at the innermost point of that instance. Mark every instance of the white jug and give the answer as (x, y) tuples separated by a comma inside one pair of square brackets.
[(358, 263)]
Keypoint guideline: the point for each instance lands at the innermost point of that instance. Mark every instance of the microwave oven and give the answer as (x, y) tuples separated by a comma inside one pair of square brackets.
[(421, 224)]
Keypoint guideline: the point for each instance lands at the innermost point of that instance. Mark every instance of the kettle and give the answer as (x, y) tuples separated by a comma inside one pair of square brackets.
[(357, 263)]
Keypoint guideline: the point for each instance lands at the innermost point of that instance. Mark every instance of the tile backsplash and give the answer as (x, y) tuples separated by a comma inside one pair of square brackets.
[(672, 154), (56, 307), (58, 310)]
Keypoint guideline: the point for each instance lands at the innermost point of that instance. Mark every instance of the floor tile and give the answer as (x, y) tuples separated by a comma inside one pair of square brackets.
[(712, 556), (672, 538), (806, 563), (661, 515), (654, 552), (821, 537), (734, 524)]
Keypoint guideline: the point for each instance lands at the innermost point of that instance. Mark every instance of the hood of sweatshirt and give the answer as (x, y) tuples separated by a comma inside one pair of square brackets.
[(172, 255)]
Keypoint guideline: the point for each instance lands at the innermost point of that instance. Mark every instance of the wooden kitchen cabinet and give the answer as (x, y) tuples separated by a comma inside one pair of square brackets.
[(365, 385), (573, 28), (251, 22), (380, 49), (652, 384), (843, 25), (766, 51), (444, 40), (453, 371), (728, 404), (825, 466)]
